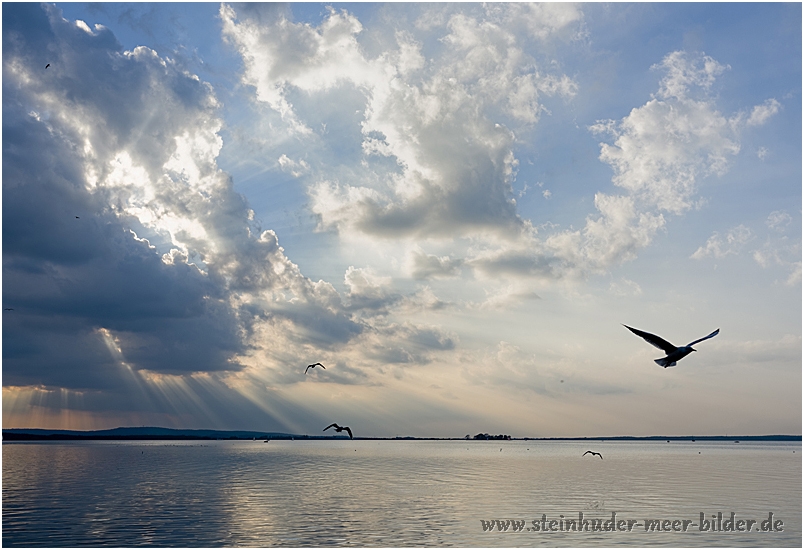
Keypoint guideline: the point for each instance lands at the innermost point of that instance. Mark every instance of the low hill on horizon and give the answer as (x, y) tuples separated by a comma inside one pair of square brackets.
[(141, 432)]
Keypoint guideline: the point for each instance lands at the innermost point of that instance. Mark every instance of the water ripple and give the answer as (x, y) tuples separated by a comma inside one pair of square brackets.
[(386, 493)]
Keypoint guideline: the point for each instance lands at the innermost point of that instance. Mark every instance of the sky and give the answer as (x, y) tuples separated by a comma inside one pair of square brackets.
[(453, 207)]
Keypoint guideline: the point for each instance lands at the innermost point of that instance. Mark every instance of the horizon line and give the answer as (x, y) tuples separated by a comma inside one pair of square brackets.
[(262, 434)]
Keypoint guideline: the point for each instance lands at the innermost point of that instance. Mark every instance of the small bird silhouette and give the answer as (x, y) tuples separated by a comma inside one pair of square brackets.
[(313, 366), (8, 309), (674, 353), (77, 218), (593, 453), (48, 65), (339, 429)]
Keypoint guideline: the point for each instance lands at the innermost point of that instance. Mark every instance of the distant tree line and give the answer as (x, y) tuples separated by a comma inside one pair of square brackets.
[(487, 436)]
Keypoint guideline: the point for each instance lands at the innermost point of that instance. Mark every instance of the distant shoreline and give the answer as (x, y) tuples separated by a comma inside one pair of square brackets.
[(168, 434)]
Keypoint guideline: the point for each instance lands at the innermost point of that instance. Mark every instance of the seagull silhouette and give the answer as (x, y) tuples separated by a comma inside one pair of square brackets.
[(339, 429), (674, 353), (593, 453), (77, 218), (313, 366), (48, 65), (8, 309)]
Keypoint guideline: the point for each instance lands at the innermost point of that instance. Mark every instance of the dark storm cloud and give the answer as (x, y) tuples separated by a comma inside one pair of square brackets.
[(127, 255), (126, 100), (72, 267), (66, 277)]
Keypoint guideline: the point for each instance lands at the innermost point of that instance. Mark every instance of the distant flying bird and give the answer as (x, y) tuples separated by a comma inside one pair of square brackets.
[(77, 218), (339, 429), (313, 366), (593, 453), (8, 309), (48, 65), (673, 353)]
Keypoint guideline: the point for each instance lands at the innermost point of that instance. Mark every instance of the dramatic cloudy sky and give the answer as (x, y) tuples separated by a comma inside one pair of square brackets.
[(453, 207)]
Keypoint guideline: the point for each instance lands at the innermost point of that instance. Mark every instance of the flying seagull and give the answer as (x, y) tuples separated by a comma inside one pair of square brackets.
[(8, 309), (48, 65), (593, 453), (674, 353), (313, 366), (77, 218), (339, 429)]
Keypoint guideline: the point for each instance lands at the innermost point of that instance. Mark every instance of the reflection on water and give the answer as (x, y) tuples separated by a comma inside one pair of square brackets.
[(389, 493)]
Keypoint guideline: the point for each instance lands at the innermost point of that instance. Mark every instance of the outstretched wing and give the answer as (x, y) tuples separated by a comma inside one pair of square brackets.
[(308, 368), (653, 340), (704, 338), (330, 426), (586, 453), (348, 430)]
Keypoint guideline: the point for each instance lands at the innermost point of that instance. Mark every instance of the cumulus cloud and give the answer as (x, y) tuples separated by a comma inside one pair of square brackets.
[(440, 122), (438, 129), (663, 148), (129, 259), (660, 152), (78, 170), (449, 126), (761, 113)]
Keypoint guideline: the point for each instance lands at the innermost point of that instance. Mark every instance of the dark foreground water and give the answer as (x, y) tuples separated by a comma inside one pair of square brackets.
[(399, 493)]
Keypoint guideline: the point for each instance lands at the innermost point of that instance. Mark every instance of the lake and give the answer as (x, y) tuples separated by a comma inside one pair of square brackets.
[(401, 493)]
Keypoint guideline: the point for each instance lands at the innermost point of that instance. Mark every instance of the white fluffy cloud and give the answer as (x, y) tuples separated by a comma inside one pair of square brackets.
[(660, 153), (662, 149), (438, 130), (440, 120), (761, 113)]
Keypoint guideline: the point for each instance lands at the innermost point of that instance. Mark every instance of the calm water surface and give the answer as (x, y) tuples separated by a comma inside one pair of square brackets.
[(391, 493)]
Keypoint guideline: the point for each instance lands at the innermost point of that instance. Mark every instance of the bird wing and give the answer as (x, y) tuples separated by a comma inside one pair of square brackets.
[(308, 368), (704, 338), (586, 453), (653, 340), (348, 430), (328, 427)]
